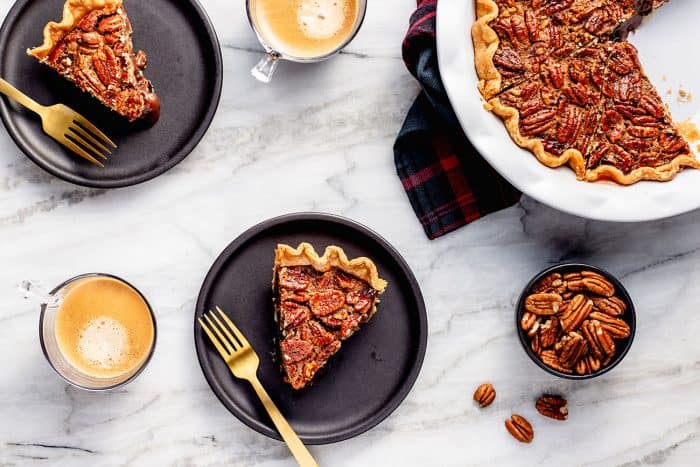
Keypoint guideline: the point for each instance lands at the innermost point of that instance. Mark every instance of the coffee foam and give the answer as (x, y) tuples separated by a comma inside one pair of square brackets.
[(103, 342), (321, 19)]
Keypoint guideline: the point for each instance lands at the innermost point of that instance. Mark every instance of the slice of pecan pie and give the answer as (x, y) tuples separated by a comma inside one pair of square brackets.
[(92, 48), (319, 302)]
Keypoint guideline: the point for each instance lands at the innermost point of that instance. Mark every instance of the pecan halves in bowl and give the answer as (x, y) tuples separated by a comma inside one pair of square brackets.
[(617, 328), (600, 342), (544, 304), (612, 306), (575, 321), (589, 281), (576, 312)]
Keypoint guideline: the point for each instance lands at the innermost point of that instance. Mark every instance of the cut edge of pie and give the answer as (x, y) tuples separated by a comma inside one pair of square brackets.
[(319, 302), (486, 42), (124, 89)]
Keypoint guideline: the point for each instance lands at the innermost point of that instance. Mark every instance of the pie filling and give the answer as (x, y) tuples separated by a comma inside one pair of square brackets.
[(317, 307), (570, 88), (93, 48)]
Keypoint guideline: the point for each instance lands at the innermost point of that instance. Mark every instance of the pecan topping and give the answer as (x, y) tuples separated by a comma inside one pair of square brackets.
[(543, 304), (484, 395), (326, 302), (520, 429), (553, 407)]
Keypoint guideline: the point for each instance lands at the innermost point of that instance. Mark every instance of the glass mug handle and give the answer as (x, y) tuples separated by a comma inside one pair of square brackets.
[(266, 67)]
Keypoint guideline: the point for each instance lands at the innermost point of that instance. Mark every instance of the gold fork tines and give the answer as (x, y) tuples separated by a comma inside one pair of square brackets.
[(66, 126), (243, 362)]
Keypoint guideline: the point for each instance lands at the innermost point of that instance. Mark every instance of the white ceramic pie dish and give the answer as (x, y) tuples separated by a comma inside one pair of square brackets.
[(665, 41)]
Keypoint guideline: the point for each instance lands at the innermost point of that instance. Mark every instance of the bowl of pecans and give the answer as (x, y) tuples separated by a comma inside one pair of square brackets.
[(575, 321)]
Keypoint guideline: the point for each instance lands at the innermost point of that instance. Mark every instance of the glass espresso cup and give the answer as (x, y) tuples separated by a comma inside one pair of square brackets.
[(97, 331), (303, 31)]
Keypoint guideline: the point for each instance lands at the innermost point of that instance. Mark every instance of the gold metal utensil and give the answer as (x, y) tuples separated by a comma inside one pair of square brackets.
[(66, 126), (243, 363)]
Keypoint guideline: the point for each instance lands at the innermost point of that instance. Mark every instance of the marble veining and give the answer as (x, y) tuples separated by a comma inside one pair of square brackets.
[(332, 125)]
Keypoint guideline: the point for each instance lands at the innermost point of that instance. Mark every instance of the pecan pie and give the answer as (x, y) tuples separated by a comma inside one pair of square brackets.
[(572, 90), (319, 302), (92, 48)]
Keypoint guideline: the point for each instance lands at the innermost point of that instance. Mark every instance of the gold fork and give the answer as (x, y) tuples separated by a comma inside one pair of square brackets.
[(66, 126), (243, 363)]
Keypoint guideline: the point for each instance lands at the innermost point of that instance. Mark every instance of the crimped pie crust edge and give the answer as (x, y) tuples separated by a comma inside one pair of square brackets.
[(334, 256), (73, 12)]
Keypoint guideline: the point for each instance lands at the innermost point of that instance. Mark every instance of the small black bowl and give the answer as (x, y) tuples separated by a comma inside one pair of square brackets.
[(623, 345)]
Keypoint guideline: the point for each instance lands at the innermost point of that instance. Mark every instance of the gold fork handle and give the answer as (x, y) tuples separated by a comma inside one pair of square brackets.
[(17, 95), (301, 454)]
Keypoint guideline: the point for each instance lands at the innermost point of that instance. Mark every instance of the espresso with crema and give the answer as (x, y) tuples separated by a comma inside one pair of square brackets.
[(104, 328), (305, 28)]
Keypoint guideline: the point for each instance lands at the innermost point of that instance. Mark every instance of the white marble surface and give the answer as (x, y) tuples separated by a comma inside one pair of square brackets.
[(333, 125)]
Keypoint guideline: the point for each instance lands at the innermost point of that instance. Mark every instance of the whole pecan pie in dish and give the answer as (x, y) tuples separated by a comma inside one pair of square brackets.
[(92, 47), (571, 89), (319, 302)]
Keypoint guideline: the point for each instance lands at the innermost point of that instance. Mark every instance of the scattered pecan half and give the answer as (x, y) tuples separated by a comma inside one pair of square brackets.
[(553, 407), (520, 428), (484, 395)]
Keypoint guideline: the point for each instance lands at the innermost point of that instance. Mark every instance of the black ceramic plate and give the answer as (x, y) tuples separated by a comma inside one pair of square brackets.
[(184, 64), (370, 375)]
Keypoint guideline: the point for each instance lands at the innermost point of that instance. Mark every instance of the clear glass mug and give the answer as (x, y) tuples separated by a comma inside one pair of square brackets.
[(50, 306), (266, 67)]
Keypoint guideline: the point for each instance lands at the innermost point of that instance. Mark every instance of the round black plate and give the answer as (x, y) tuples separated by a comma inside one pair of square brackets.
[(370, 375), (184, 64)]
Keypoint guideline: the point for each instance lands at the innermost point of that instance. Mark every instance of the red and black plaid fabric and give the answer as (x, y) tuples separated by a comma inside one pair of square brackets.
[(448, 183)]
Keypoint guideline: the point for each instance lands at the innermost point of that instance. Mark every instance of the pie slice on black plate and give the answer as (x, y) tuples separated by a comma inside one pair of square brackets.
[(92, 48), (319, 302)]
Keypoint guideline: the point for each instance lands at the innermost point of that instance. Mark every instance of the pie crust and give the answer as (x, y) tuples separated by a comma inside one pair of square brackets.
[(73, 12), (486, 43), (334, 256)]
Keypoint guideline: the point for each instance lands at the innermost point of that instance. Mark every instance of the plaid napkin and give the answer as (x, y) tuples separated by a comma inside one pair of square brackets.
[(448, 183)]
